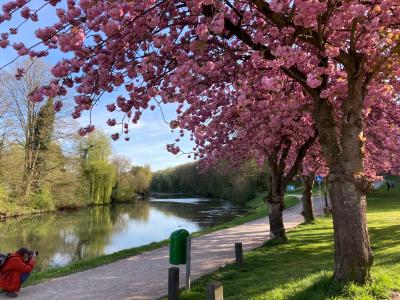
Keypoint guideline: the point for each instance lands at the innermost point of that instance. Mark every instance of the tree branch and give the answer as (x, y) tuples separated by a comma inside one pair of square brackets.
[(242, 35), (299, 158), (280, 21)]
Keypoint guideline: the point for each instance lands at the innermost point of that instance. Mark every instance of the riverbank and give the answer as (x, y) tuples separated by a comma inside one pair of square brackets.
[(302, 267), (257, 210), (12, 210)]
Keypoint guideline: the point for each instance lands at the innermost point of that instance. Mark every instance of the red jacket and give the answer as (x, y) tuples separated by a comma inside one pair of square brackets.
[(10, 276)]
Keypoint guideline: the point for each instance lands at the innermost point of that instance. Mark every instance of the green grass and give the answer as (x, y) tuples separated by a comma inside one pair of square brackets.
[(301, 269), (257, 209)]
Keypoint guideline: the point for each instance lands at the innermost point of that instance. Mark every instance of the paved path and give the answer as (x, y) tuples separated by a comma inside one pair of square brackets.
[(145, 276)]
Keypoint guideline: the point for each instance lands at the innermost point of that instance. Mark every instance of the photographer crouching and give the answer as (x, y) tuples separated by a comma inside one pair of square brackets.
[(16, 271)]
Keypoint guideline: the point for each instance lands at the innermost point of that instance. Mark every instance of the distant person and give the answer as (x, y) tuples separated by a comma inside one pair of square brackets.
[(388, 184), (392, 184), (16, 271)]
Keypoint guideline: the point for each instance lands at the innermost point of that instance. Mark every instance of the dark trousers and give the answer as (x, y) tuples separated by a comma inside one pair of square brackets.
[(24, 277)]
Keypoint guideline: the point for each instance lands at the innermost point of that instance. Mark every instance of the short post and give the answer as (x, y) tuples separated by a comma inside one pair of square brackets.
[(328, 208), (215, 291), (173, 283), (320, 195), (326, 200), (239, 252), (188, 261)]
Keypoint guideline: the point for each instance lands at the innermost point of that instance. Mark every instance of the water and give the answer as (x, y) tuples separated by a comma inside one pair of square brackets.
[(70, 236)]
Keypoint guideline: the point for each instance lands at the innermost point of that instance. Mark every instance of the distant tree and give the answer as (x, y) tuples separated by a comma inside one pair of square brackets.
[(122, 165), (123, 189), (38, 147), (142, 179), (221, 181), (30, 125), (99, 173)]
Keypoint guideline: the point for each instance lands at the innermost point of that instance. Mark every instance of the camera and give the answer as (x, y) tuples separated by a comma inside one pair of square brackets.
[(34, 252)]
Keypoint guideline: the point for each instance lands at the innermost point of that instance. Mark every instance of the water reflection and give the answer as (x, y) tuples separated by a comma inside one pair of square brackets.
[(73, 235)]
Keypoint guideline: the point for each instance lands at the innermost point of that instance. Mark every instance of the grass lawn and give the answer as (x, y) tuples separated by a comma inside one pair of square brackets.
[(257, 209), (302, 267)]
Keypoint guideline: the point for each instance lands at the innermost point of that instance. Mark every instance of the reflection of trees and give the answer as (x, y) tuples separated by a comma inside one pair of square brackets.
[(71, 235), (75, 235), (137, 210), (140, 211), (36, 233), (93, 232)]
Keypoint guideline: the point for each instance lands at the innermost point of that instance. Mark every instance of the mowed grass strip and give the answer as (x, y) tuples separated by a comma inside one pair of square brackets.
[(302, 267)]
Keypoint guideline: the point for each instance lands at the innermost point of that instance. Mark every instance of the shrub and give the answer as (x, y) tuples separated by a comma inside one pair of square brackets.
[(9, 205), (43, 200)]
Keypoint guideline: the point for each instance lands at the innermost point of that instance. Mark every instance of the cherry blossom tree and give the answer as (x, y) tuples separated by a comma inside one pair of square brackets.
[(259, 128), (339, 54)]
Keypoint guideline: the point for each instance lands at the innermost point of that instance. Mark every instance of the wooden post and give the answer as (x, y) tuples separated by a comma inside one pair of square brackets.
[(239, 252), (327, 208), (188, 261), (173, 283), (215, 291), (325, 194)]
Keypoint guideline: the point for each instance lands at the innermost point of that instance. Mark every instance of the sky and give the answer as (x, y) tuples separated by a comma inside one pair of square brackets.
[(148, 138)]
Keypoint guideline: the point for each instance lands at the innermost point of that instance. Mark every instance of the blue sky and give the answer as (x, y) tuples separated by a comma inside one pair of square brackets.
[(148, 138)]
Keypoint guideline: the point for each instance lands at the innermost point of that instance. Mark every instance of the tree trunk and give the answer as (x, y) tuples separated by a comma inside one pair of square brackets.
[(277, 183), (306, 199), (29, 153), (343, 148), (27, 175), (353, 255), (27, 187), (276, 226), (276, 205)]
